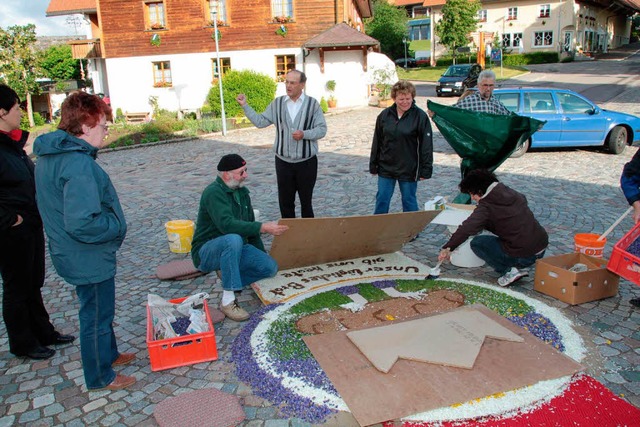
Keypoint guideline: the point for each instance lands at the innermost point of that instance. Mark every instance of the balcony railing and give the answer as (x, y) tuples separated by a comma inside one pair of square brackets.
[(83, 49)]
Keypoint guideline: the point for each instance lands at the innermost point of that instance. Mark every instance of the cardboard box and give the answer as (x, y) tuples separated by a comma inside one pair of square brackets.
[(554, 278)]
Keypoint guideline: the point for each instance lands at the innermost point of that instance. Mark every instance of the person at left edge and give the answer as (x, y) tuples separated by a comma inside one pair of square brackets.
[(85, 224), (402, 149), (21, 242)]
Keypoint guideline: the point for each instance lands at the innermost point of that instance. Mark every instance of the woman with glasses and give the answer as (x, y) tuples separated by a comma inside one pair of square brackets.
[(85, 224), (21, 242)]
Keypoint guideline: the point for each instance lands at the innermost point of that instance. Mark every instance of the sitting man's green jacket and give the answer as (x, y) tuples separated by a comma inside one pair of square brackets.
[(224, 211)]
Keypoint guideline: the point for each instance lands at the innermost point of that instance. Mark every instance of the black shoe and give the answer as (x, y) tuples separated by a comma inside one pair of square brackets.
[(40, 353), (63, 339), (635, 302)]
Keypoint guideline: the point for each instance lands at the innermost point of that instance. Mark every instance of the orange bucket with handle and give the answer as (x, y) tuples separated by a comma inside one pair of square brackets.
[(588, 244)]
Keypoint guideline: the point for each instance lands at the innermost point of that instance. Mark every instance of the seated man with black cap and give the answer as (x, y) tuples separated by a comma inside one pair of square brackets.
[(227, 236)]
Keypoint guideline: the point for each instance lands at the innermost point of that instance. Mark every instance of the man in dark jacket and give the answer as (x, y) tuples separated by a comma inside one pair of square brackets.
[(402, 149), (227, 236), (519, 239)]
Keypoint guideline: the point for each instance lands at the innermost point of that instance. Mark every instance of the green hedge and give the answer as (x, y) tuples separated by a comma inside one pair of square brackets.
[(520, 59), (259, 88), (510, 60), (38, 120)]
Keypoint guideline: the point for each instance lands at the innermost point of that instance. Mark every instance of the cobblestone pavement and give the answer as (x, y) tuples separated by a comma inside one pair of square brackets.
[(570, 191)]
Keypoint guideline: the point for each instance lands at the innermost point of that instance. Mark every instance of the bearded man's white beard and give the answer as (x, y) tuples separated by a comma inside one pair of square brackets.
[(234, 184)]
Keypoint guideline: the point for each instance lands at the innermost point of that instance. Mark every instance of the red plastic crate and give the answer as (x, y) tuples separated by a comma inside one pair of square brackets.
[(180, 351), (623, 263)]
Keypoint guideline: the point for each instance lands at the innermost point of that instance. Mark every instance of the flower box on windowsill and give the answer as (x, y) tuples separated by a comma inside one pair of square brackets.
[(162, 84), (157, 27), (219, 22), (282, 19)]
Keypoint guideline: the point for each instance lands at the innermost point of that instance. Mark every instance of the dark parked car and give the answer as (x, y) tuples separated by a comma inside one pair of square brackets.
[(411, 62), (572, 120), (457, 79)]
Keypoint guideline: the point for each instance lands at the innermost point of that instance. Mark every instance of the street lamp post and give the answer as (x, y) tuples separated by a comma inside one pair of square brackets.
[(214, 6), (404, 40)]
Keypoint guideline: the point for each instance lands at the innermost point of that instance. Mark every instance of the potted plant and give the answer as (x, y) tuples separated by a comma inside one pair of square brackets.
[(382, 80), (282, 19), (331, 87)]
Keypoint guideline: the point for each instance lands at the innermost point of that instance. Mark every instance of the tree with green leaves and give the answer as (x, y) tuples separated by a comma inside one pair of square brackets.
[(389, 26), (18, 62), (57, 63), (459, 18)]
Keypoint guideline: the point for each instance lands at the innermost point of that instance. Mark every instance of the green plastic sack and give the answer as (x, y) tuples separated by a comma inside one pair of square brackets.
[(482, 140)]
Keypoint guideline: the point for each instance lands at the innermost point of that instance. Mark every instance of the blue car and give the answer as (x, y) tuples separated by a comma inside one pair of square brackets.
[(572, 120)]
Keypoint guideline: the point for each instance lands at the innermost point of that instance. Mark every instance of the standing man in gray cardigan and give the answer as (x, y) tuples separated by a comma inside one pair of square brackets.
[(299, 125)]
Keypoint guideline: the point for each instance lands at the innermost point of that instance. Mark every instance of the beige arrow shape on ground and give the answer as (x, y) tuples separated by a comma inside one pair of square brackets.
[(451, 339)]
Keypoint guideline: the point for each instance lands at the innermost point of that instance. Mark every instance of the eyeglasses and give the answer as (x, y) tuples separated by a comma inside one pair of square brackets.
[(105, 127), (242, 172)]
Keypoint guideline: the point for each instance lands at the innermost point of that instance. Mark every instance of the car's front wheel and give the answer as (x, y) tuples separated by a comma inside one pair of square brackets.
[(617, 140), (521, 149)]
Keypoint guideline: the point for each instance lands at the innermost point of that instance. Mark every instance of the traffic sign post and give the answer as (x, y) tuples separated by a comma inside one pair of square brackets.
[(496, 56)]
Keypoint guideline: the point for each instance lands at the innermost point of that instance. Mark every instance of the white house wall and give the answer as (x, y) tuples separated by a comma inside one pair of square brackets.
[(343, 66), (131, 79)]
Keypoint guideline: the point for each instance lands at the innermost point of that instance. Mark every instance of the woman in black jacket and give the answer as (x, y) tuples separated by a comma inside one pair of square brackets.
[(402, 149), (21, 242)]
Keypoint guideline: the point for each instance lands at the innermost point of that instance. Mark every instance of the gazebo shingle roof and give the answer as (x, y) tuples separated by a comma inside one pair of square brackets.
[(341, 35)]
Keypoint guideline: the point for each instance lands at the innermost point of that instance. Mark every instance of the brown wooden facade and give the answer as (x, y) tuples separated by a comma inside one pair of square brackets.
[(124, 30)]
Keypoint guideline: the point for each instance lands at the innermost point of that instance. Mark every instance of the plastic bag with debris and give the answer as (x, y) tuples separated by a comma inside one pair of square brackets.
[(164, 313)]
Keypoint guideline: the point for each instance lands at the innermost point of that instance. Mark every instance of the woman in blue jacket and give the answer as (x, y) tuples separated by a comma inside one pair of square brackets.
[(21, 242), (85, 224)]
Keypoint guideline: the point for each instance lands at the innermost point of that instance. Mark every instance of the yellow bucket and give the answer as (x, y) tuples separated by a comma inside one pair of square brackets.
[(180, 233), (588, 244)]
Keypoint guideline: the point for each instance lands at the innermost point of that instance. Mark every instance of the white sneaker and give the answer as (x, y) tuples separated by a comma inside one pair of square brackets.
[(511, 276)]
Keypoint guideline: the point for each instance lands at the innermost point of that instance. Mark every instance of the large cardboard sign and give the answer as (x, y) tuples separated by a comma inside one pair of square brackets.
[(411, 387), (451, 339), (296, 281), (312, 241)]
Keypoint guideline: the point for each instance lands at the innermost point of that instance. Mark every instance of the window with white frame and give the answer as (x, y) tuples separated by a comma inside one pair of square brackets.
[(511, 39), (512, 14), (162, 74), (216, 9), (282, 10), (154, 15), (225, 65), (545, 10), (284, 64), (517, 39), (543, 38), (482, 15)]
